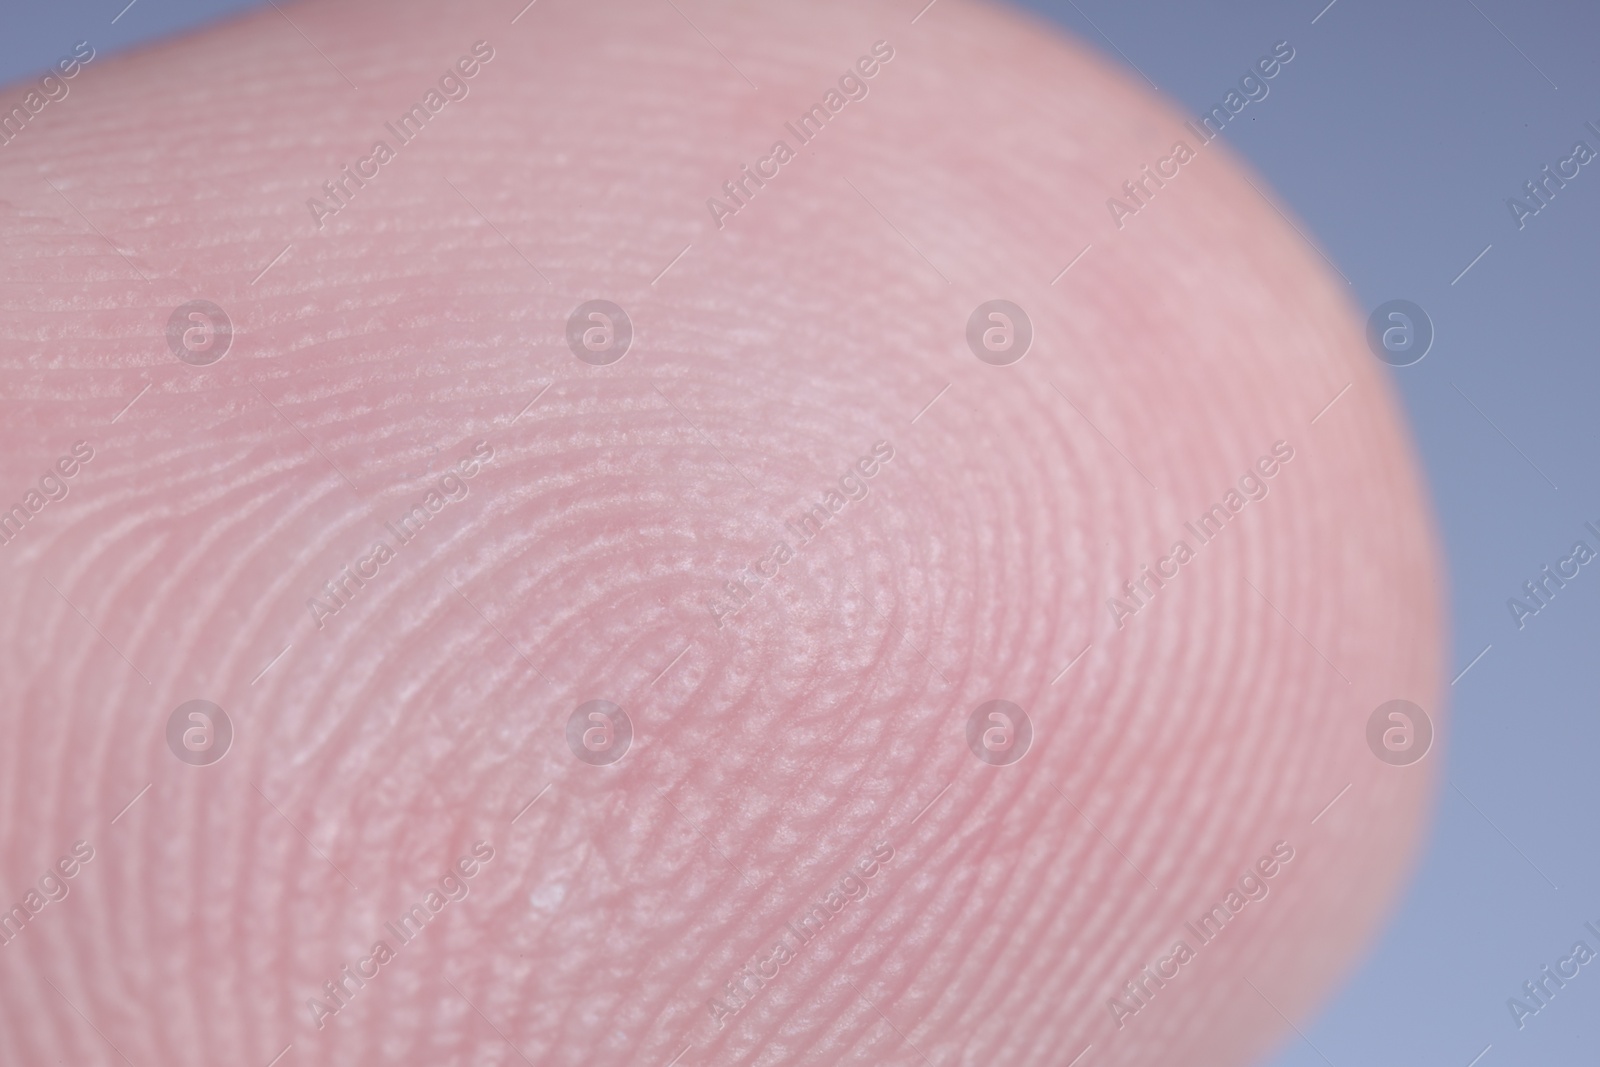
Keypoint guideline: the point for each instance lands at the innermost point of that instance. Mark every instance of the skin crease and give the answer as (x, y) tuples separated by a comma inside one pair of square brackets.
[(775, 752)]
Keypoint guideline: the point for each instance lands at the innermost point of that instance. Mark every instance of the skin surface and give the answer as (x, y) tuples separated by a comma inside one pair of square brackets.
[(774, 749)]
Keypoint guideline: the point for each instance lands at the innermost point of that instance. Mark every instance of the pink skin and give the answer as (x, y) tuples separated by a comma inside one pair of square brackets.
[(772, 753)]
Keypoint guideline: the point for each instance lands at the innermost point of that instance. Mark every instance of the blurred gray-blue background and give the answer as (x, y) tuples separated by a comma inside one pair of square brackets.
[(1396, 136)]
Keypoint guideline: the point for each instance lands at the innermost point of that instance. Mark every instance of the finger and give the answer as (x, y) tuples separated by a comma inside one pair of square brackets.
[(415, 519)]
